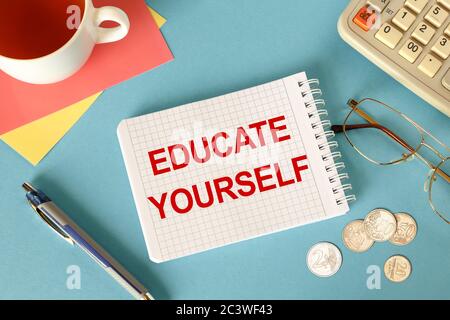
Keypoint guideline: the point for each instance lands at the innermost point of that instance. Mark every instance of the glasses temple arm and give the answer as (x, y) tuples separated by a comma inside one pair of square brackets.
[(390, 134)]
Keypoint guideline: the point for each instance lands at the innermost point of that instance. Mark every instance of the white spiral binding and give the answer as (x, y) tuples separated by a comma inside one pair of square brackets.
[(314, 105)]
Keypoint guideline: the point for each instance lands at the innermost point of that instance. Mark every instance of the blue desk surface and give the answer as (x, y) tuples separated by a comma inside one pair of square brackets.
[(219, 47)]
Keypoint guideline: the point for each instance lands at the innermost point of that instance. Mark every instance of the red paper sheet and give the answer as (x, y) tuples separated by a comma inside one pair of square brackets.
[(144, 48)]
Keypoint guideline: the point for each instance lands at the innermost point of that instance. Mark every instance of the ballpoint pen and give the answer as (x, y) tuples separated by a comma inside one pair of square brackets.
[(73, 234)]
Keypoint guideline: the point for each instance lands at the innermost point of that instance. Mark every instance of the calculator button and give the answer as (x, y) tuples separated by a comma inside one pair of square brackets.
[(447, 31), (404, 19), (442, 47), (423, 33), (430, 65), (389, 35), (379, 5), (446, 80), (416, 5), (410, 51), (365, 18), (437, 15), (445, 3)]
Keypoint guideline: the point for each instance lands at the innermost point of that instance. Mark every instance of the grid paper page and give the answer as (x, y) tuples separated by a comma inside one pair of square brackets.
[(235, 219)]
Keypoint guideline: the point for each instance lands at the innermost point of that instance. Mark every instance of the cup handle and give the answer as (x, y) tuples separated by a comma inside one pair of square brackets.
[(108, 13)]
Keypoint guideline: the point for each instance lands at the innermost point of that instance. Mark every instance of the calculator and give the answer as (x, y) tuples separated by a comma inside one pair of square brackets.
[(408, 39)]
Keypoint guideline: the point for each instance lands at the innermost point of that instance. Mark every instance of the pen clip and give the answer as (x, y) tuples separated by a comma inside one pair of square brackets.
[(54, 226), (35, 199)]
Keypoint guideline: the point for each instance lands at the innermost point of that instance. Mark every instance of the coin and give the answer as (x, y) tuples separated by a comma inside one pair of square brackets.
[(397, 268), (324, 259), (355, 237), (406, 229), (380, 224)]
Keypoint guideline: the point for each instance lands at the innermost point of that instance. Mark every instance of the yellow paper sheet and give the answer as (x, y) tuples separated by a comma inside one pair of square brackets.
[(34, 140), (160, 20)]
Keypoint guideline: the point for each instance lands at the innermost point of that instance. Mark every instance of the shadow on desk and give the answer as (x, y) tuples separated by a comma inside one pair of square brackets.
[(138, 266)]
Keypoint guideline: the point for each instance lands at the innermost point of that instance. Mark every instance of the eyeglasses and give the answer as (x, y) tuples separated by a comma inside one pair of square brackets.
[(394, 138)]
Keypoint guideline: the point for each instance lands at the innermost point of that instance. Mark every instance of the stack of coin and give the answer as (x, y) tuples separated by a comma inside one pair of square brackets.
[(378, 226)]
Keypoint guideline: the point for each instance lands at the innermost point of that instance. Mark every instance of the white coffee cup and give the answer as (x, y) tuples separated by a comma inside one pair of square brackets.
[(70, 57)]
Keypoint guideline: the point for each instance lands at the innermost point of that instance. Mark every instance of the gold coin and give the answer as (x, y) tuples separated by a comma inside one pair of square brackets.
[(397, 268), (380, 225), (355, 237), (406, 229)]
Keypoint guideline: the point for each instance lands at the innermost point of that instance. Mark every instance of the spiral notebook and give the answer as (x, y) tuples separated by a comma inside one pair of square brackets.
[(234, 167)]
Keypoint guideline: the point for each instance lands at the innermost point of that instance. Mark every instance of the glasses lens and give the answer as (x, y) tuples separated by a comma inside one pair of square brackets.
[(393, 139), (440, 190)]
